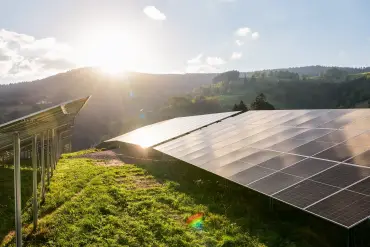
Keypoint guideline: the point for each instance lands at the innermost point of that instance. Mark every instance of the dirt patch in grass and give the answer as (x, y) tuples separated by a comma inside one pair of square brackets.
[(105, 158)]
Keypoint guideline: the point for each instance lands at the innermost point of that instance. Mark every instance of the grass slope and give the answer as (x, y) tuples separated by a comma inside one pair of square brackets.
[(147, 205)]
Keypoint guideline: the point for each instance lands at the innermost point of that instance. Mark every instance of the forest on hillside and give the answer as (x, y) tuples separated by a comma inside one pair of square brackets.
[(121, 104)]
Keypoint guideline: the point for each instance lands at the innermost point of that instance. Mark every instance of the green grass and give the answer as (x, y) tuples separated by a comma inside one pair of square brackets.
[(7, 196), (147, 205)]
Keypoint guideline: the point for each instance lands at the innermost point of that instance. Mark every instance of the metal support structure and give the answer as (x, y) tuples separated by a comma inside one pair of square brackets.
[(17, 189), (350, 237), (271, 204), (48, 156), (34, 165), (70, 145), (43, 166), (52, 151), (60, 145)]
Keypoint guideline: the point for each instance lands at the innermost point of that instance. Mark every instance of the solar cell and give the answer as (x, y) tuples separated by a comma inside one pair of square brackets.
[(312, 148), (312, 134), (327, 117), (362, 159), (346, 119), (340, 152), (259, 157), (305, 193), (362, 187), (274, 183), (287, 145), (232, 168), (360, 123), (228, 158), (360, 140), (339, 135), (305, 118), (342, 175), (279, 137), (308, 167), (281, 161), (250, 175), (346, 208)]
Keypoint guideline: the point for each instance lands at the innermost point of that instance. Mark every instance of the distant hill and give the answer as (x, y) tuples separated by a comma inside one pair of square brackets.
[(317, 70), (120, 104), (115, 100)]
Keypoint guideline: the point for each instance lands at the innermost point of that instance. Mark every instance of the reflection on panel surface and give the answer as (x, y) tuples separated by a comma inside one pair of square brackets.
[(274, 183), (159, 132), (316, 160)]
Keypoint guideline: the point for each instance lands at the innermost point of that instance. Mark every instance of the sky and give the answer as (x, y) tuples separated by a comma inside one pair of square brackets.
[(39, 38)]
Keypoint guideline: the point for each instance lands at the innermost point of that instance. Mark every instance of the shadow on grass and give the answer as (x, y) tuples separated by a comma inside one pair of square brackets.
[(281, 226), (7, 197)]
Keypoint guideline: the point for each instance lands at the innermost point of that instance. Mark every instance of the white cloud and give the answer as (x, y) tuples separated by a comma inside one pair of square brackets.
[(202, 68), (154, 13), (207, 65), (243, 31), (255, 35), (23, 57), (236, 55), (215, 61), (196, 60), (239, 42)]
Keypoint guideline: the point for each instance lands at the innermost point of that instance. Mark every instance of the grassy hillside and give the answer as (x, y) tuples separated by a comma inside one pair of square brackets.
[(92, 202)]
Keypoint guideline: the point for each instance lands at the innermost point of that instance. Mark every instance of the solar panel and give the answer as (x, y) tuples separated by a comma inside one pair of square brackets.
[(310, 159), (306, 193), (346, 208), (157, 133)]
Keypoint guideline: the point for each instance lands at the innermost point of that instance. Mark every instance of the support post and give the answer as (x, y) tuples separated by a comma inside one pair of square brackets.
[(60, 145), (17, 189), (43, 167), (34, 165), (48, 156), (271, 204), (52, 151)]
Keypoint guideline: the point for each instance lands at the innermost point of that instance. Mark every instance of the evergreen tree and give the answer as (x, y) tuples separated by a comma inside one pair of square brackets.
[(245, 79), (242, 106), (235, 108), (260, 103)]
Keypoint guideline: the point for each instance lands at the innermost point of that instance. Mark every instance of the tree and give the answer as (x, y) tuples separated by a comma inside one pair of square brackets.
[(245, 80), (242, 106), (260, 103), (235, 108), (232, 75)]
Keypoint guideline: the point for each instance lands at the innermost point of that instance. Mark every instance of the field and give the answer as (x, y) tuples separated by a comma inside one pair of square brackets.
[(103, 203)]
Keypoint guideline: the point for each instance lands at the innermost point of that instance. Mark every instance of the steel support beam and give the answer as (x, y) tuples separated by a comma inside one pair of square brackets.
[(60, 144), (34, 165), (48, 156), (42, 166), (52, 152), (17, 189)]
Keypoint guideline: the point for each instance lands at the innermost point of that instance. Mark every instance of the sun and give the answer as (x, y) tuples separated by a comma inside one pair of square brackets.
[(112, 69), (113, 50)]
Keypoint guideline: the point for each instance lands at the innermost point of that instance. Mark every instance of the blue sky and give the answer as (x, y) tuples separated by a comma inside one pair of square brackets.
[(40, 37)]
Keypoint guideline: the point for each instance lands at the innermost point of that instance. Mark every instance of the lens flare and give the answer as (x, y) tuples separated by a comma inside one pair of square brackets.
[(196, 221)]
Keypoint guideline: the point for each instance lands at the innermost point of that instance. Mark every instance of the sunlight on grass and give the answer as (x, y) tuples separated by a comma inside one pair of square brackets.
[(149, 205)]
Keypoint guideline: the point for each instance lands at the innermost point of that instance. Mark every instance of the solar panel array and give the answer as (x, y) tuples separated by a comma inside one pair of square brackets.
[(159, 132), (315, 160)]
